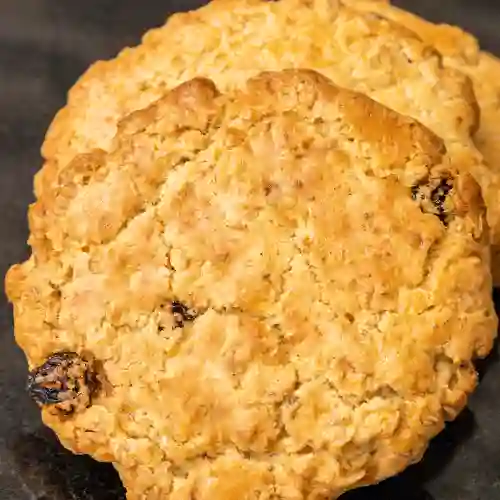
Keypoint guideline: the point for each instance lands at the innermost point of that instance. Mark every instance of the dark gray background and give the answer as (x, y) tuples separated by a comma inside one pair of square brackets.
[(44, 46)]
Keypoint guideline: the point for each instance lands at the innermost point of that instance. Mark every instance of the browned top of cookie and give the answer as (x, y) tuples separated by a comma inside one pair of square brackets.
[(283, 286), (230, 41), (460, 50)]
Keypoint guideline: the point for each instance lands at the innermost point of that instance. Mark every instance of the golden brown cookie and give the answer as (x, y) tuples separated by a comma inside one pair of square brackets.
[(232, 40), (222, 305), (461, 50)]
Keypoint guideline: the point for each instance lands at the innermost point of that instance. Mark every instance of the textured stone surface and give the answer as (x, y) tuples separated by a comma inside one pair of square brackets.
[(44, 46)]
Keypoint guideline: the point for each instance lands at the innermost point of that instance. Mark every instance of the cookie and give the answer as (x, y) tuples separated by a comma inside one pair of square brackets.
[(232, 40), (460, 50), (222, 305)]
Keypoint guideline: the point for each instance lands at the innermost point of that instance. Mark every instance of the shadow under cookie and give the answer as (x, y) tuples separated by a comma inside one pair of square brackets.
[(52, 473)]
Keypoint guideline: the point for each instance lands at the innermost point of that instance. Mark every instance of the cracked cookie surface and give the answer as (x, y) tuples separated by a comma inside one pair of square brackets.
[(276, 306), (229, 41), (460, 50)]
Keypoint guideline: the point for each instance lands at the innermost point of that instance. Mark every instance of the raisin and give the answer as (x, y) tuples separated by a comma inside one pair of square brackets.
[(181, 313), (65, 381), (432, 197)]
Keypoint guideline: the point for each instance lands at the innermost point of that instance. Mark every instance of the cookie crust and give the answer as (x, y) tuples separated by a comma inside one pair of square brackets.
[(310, 357)]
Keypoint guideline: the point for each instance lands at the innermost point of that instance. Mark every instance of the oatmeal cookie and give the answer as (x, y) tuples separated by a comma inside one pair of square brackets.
[(460, 50), (233, 278), (229, 41)]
